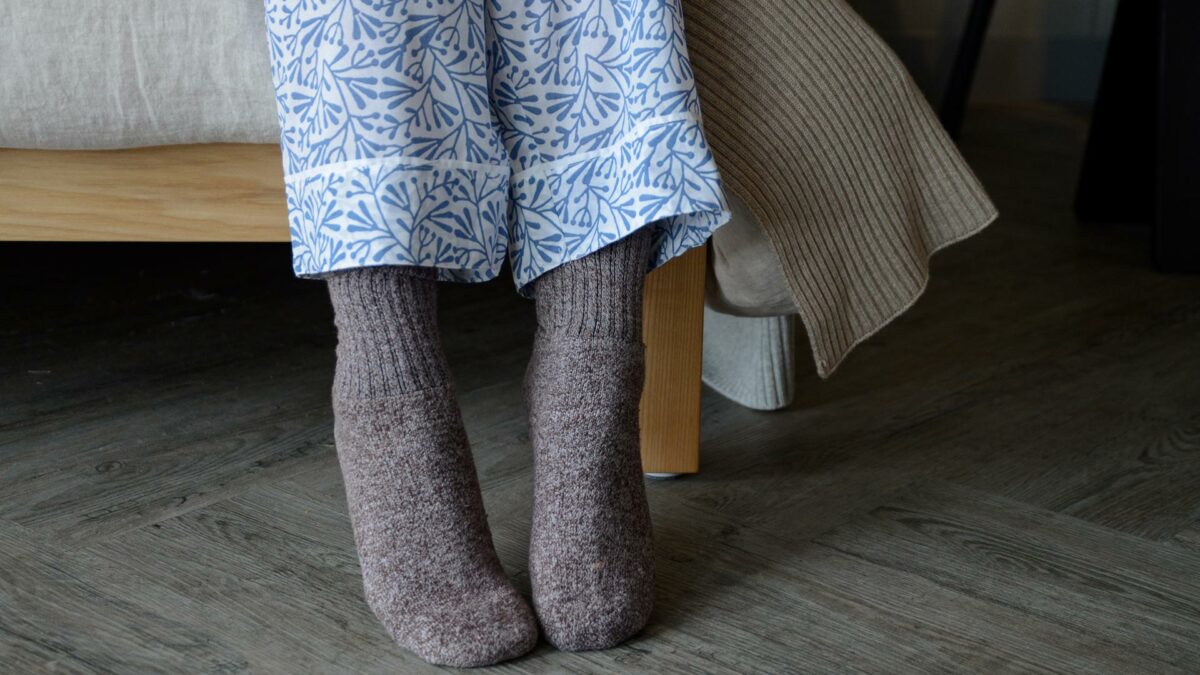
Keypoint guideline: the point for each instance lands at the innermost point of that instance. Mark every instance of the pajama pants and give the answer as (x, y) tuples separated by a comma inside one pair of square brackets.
[(452, 133)]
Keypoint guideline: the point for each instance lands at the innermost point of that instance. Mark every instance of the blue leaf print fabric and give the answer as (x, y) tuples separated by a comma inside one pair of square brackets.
[(453, 133)]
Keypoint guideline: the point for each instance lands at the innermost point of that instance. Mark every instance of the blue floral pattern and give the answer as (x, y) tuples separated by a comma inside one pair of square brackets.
[(451, 133)]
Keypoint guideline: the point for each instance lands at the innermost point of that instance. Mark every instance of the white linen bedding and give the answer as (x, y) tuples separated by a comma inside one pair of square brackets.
[(92, 74)]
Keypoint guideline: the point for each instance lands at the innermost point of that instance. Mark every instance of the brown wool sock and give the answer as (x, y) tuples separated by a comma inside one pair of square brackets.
[(430, 571), (591, 557)]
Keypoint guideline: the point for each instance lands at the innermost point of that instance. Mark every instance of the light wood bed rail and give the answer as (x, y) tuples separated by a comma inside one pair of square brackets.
[(234, 193)]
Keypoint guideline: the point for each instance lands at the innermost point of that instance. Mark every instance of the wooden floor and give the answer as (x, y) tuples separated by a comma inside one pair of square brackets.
[(1007, 479)]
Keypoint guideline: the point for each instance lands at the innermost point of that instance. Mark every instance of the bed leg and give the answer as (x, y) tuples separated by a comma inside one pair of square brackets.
[(673, 333)]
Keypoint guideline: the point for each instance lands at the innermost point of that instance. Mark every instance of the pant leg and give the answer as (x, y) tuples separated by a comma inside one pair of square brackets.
[(390, 152), (601, 119)]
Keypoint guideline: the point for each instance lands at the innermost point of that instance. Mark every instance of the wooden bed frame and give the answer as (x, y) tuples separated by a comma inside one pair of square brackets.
[(234, 193)]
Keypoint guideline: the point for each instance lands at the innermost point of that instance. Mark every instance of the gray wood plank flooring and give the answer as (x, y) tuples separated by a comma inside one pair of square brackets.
[(1007, 479)]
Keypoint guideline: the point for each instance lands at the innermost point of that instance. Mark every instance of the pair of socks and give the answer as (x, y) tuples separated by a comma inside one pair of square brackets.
[(430, 570)]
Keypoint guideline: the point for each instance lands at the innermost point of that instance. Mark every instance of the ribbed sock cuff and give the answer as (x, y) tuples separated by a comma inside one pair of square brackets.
[(598, 295), (388, 341)]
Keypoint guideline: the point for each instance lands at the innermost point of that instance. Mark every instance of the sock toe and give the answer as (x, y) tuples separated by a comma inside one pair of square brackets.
[(610, 620), (485, 634)]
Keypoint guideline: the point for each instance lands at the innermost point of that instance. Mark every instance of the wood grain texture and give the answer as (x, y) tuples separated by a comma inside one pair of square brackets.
[(1059, 569), (1004, 480), (859, 616), (674, 334), (216, 192), (1188, 537)]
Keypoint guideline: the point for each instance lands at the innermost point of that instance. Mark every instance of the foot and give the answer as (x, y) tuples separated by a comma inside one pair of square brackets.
[(430, 571), (591, 558)]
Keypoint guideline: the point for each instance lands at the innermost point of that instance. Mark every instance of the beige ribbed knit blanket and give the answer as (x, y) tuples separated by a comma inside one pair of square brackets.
[(822, 134)]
